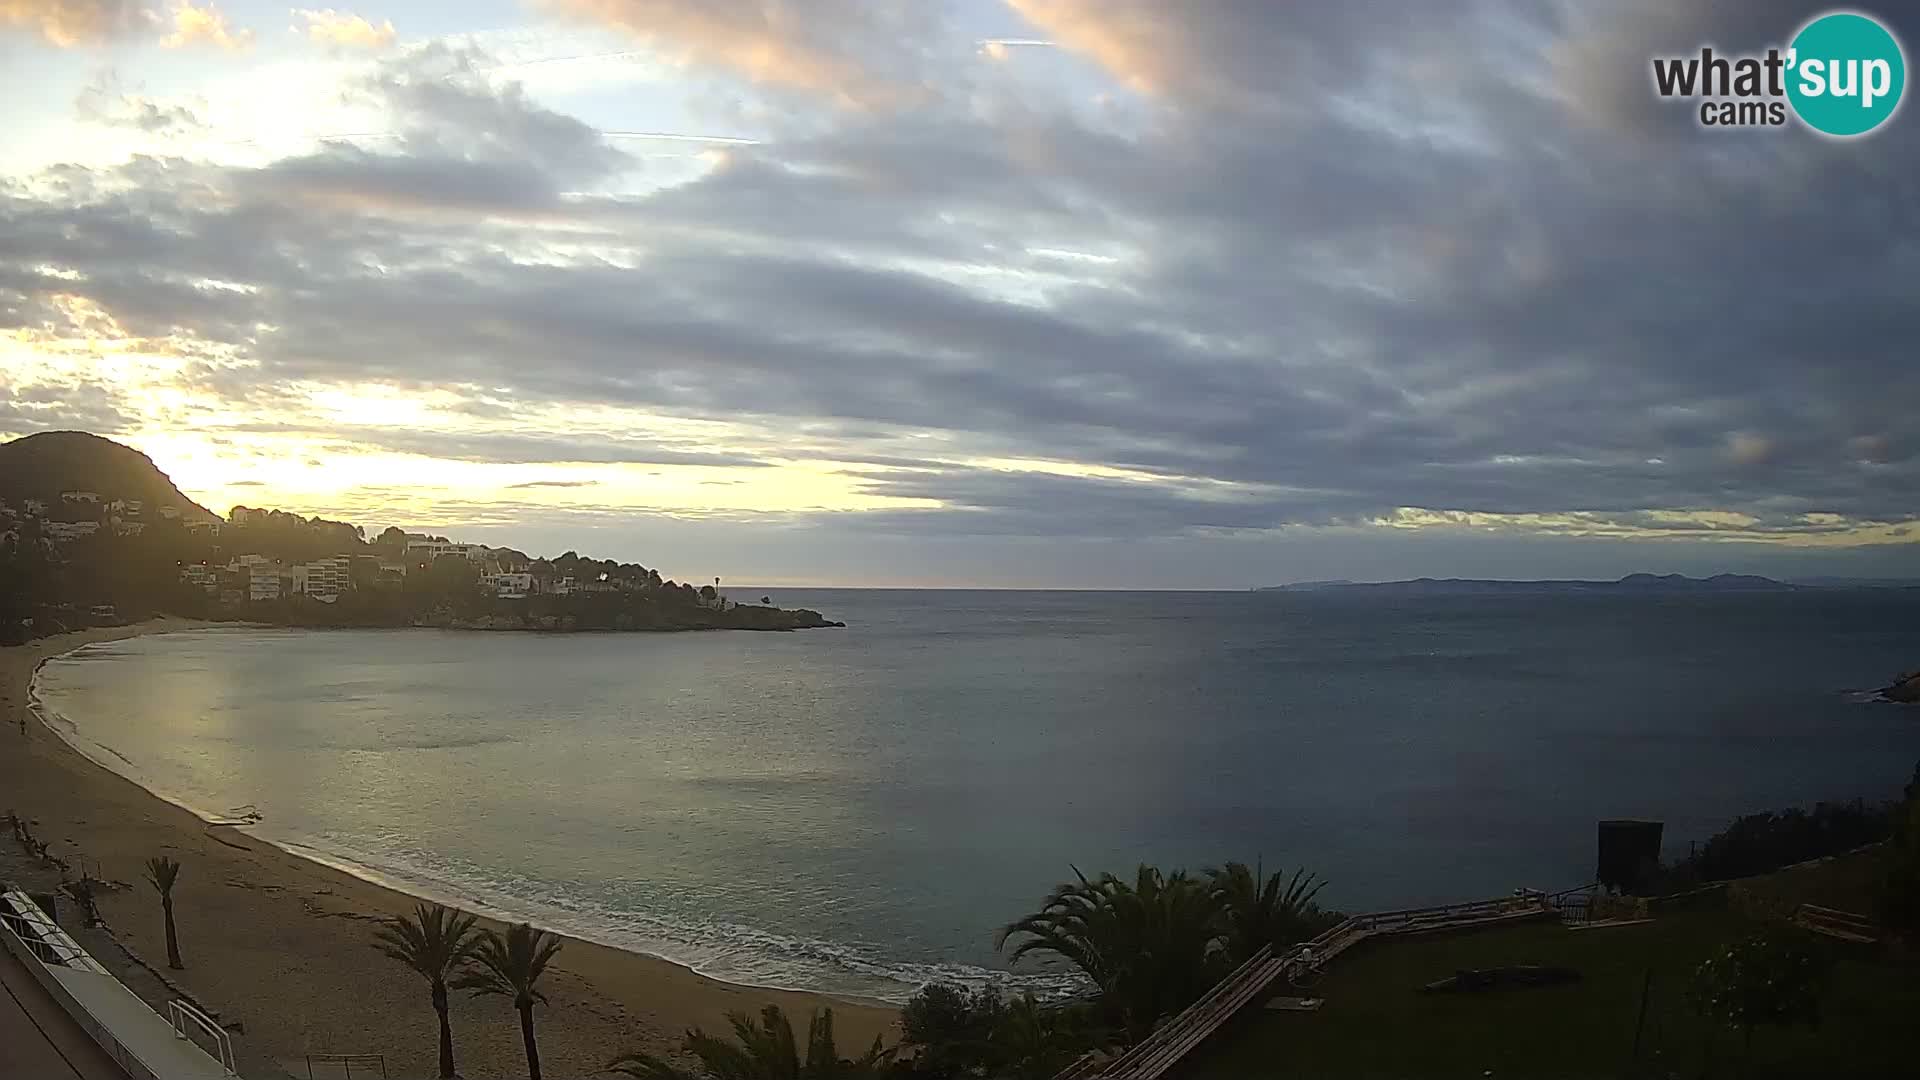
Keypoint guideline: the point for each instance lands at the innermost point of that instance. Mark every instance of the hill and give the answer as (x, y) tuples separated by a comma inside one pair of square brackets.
[(1632, 583), (43, 465)]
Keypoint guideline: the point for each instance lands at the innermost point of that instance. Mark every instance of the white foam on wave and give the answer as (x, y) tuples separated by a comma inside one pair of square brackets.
[(718, 949)]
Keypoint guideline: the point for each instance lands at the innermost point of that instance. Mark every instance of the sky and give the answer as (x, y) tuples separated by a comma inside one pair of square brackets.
[(1022, 293)]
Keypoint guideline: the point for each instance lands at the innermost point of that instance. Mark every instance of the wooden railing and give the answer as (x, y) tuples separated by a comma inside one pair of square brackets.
[(1157, 1054)]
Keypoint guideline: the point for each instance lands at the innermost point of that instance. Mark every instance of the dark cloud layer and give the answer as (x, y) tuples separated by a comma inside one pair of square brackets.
[(1327, 261)]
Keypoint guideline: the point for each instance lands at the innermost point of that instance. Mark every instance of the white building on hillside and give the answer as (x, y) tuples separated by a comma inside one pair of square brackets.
[(323, 579), (68, 530), (429, 550), (507, 586), (263, 585)]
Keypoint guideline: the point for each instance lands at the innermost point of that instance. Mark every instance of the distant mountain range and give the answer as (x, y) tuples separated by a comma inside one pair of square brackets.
[(1632, 583), (45, 465)]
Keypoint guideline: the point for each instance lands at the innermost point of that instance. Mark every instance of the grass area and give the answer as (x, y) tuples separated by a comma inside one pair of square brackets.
[(1849, 882), (1376, 1023)]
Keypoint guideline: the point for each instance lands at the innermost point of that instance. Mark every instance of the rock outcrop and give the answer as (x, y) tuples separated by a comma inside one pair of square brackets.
[(1905, 689)]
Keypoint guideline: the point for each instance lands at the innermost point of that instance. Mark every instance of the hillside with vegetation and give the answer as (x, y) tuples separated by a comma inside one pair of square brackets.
[(92, 531), (49, 464)]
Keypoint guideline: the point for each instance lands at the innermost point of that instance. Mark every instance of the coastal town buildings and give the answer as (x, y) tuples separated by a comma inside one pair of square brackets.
[(507, 586), (322, 579), (424, 549), (62, 531), (201, 576)]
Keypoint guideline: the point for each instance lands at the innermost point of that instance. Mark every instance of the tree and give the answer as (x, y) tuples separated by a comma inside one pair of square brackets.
[(1036, 1041), (766, 1051), (959, 1034), (1900, 888), (1152, 946), (952, 1030), (511, 966), (1274, 911), (1773, 979), (436, 942), (162, 872)]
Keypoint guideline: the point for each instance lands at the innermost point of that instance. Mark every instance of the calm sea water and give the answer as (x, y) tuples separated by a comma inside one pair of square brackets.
[(856, 810)]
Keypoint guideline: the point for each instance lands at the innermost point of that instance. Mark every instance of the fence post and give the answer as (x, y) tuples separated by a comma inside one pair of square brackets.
[(1646, 991)]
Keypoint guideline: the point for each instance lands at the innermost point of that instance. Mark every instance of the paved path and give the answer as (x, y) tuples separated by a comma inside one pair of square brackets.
[(37, 1037)]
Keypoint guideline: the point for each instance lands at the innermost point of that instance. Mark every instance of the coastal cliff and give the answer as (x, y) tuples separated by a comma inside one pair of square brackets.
[(1904, 689)]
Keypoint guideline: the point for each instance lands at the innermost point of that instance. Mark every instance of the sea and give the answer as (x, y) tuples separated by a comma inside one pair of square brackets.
[(857, 810)]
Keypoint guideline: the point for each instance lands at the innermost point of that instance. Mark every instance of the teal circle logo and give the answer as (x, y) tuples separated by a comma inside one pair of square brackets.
[(1845, 74)]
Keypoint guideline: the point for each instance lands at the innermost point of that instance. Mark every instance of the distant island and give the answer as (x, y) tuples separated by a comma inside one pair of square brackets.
[(92, 533), (1632, 583)]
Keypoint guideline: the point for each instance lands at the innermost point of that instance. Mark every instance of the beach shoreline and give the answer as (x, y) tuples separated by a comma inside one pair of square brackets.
[(281, 943)]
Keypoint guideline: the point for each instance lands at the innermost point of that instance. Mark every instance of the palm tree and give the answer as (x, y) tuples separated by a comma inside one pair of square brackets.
[(765, 1051), (1152, 945), (1036, 1041), (1260, 911), (162, 872), (436, 942), (511, 966)]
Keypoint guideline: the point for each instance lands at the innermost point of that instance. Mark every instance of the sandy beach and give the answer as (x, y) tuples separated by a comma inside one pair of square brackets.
[(281, 944)]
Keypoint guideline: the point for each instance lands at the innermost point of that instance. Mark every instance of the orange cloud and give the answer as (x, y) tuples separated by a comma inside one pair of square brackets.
[(67, 23), (825, 46), (1133, 42), (193, 26), (330, 27)]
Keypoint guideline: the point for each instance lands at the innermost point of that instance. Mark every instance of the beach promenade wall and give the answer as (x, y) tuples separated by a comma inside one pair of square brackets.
[(138, 1039)]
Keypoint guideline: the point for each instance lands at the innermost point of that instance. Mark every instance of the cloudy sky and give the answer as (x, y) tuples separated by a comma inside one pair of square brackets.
[(1099, 293)]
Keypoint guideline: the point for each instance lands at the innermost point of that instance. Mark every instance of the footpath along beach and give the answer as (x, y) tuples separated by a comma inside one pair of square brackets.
[(282, 945)]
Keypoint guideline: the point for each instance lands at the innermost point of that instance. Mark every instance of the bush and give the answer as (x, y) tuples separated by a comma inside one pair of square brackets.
[(1773, 979), (958, 1034), (1759, 843)]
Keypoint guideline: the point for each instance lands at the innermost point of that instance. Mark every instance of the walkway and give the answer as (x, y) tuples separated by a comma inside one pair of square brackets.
[(50, 975), (37, 1037), (1157, 1054)]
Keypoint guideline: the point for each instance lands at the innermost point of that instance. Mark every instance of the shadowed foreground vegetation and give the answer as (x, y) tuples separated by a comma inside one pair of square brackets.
[(1377, 1023)]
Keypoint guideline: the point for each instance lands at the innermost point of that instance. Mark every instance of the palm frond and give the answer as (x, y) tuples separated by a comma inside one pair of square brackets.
[(162, 872), (646, 1066), (509, 964), (435, 941)]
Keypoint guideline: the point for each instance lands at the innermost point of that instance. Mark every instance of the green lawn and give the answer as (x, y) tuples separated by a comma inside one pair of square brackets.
[(1376, 1024)]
